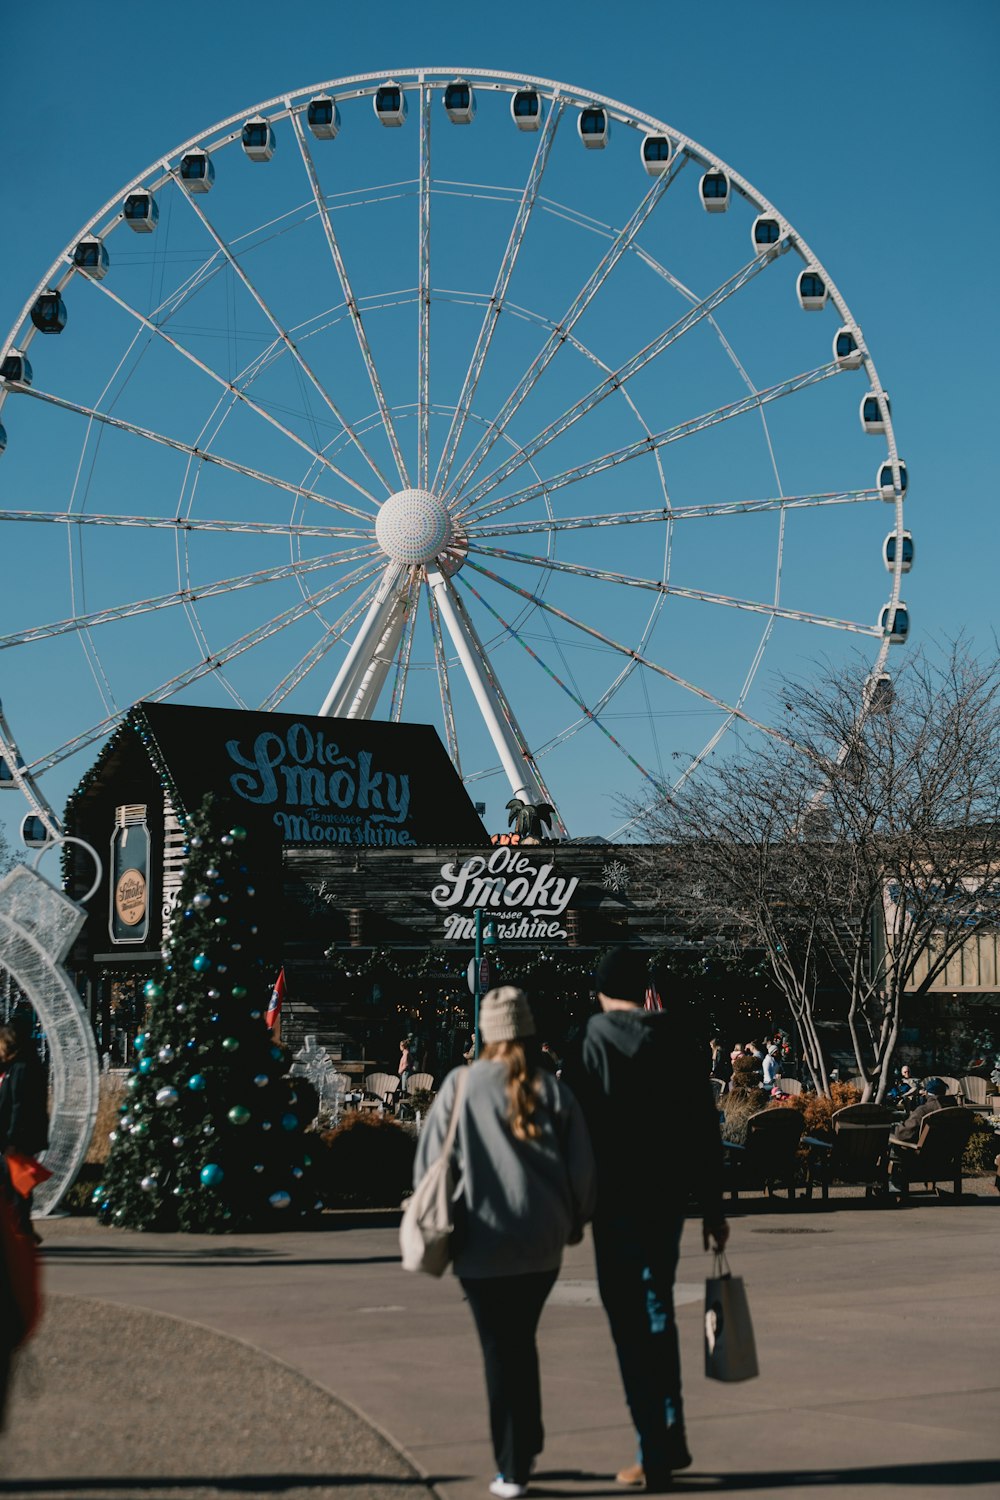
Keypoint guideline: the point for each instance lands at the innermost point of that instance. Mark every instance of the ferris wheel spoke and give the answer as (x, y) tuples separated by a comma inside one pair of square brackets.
[(603, 575), (316, 652), (444, 684), (405, 647), (670, 513), (72, 519), (212, 663), (235, 390), (655, 441), (636, 656), (279, 329), (350, 299), (201, 454), (191, 595), (424, 292), (589, 714), (496, 302), (564, 327), (617, 378)]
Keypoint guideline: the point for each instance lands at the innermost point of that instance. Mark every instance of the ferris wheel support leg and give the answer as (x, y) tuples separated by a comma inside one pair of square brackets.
[(373, 676), (496, 714), (351, 687)]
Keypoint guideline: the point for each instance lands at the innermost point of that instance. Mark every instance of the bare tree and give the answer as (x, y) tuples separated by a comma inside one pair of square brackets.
[(863, 844)]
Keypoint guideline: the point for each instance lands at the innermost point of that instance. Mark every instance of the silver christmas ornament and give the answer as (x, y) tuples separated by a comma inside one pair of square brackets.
[(148, 1184), (166, 1095), (201, 900)]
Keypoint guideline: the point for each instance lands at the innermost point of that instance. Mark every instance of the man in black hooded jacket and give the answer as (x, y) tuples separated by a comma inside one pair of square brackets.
[(655, 1131)]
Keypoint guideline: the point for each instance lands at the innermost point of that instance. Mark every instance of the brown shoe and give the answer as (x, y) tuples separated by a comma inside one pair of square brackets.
[(634, 1477)]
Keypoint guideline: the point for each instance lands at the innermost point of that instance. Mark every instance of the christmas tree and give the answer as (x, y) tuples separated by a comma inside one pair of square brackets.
[(211, 1137)]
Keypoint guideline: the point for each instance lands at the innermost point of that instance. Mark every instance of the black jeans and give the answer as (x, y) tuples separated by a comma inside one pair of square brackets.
[(636, 1264), (507, 1310)]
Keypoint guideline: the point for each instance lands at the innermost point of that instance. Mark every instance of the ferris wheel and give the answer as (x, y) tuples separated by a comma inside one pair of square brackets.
[(459, 396)]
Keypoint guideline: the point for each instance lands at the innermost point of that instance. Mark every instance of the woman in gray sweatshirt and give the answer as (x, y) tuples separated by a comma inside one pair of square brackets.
[(526, 1189)]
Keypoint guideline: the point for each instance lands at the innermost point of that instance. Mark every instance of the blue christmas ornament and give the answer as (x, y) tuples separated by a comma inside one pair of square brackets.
[(140, 1041), (276, 1053), (238, 833), (280, 1200), (196, 1083), (201, 963), (145, 1065), (212, 1174), (289, 1121), (152, 990)]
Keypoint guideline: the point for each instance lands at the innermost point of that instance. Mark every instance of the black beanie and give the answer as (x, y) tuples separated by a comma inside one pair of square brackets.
[(622, 974)]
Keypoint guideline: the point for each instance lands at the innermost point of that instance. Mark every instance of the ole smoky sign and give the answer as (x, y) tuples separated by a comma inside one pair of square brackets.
[(521, 894)]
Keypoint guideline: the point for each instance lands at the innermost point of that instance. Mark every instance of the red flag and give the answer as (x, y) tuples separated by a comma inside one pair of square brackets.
[(277, 996)]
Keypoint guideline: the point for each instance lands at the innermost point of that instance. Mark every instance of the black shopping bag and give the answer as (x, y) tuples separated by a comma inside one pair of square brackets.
[(730, 1351)]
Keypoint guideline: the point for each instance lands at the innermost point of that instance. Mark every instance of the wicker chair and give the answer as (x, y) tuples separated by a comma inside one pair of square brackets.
[(858, 1153), (770, 1156), (936, 1156)]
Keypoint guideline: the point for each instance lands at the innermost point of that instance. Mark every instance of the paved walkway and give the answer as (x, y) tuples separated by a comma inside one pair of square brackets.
[(878, 1334)]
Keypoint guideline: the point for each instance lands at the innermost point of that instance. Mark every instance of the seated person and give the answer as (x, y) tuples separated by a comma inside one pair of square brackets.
[(937, 1098), (907, 1091)]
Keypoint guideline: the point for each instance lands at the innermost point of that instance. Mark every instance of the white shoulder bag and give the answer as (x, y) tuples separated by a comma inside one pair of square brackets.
[(428, 1214)]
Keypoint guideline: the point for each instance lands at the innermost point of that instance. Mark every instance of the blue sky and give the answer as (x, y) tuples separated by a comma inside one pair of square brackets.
[(870, 130)]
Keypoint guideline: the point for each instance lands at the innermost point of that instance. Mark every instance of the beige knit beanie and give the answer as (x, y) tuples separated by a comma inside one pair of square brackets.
[(505, 1015)]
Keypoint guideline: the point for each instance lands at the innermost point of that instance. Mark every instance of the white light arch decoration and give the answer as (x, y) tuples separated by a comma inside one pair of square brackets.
[(38, 925)]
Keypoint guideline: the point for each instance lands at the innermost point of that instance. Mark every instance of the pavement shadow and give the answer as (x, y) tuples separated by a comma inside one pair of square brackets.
[(222, 1483), (950, 1474), (205, 1259)]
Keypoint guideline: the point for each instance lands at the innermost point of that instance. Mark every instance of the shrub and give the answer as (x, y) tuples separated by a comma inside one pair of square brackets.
[(980, 1151), (746, 1076), (78, 1198), (817, 1109), (737, 1109), (366, 1162)]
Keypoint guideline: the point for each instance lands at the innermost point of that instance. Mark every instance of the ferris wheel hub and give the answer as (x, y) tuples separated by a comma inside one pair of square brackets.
[(413, 526)]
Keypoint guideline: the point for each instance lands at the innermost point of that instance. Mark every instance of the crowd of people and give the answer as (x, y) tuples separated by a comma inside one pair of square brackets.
[(768, 1060), (539, 1156)]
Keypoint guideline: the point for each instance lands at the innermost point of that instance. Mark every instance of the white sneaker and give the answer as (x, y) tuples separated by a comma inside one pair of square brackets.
[(506, 1489)]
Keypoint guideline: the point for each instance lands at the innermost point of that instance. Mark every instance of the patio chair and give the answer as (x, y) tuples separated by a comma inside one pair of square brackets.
[(953, 1085), (382, 1087), (770, 1155), (858, 1153), (420, 1083), (977, 1091), (788, 1085), (936, 1156)]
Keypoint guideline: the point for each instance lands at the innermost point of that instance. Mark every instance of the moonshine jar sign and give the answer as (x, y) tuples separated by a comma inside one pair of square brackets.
[(129, 919)]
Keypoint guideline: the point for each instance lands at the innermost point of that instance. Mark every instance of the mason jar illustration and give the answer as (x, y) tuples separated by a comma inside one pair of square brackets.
[(129, 922)]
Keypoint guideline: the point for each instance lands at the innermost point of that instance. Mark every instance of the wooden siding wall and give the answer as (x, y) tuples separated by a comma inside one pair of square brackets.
[(382, 897)]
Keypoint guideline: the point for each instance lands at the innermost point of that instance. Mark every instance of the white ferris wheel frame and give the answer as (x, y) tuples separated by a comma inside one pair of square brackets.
[(385, 633)]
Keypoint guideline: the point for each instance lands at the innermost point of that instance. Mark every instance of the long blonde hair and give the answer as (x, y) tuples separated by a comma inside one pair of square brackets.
[(522, 1085)]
